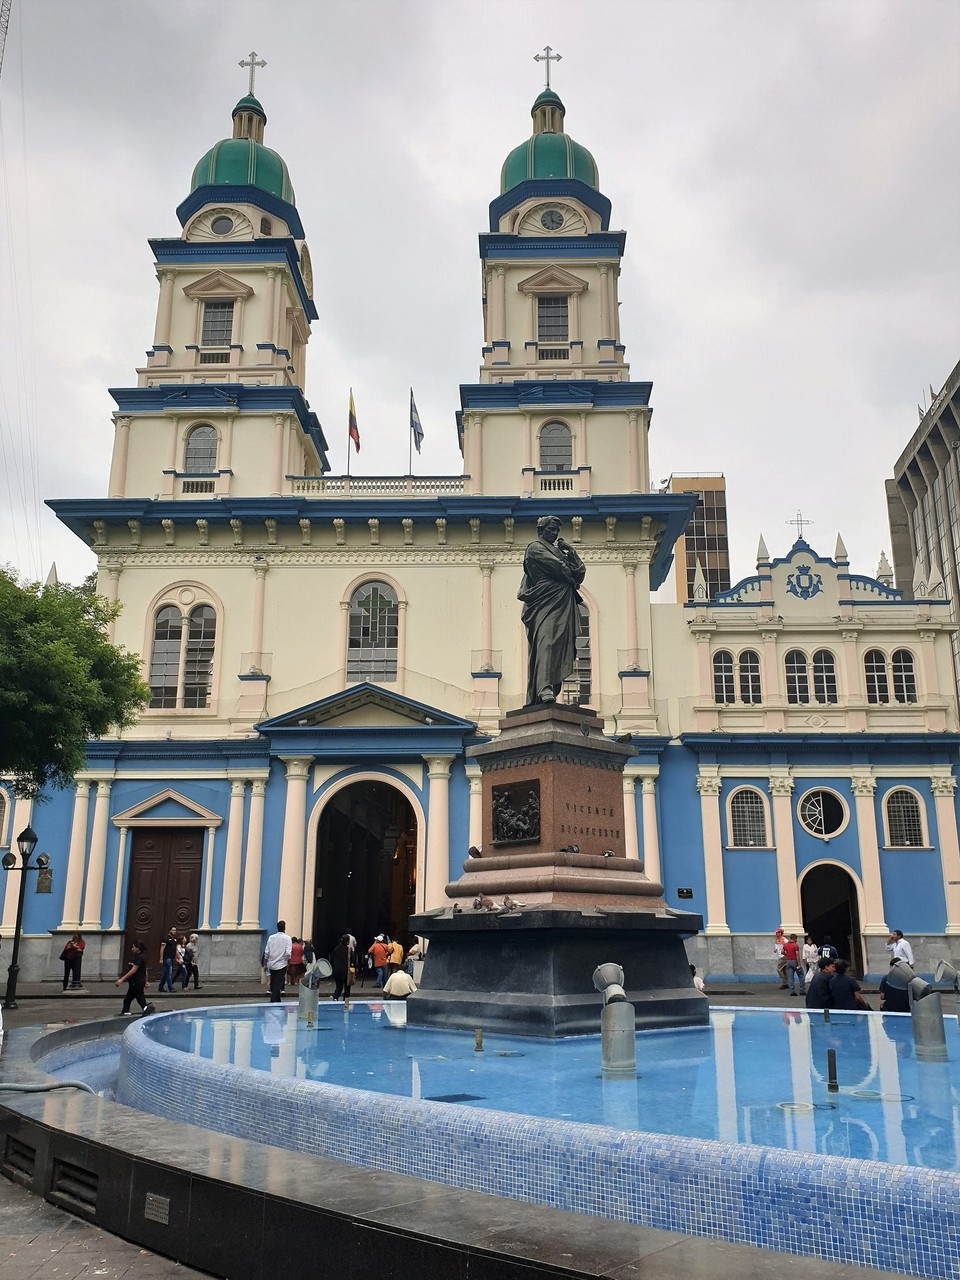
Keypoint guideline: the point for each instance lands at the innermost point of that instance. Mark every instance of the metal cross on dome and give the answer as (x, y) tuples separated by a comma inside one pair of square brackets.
[(546, 58), (252, 64), (799, 521)]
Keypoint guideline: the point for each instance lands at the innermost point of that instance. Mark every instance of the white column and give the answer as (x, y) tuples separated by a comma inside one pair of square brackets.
[(943, 798), (293, 850), (651, 838), (257, 612), (437, 871), (604, 301), (121, 864), (161, 332), (477, 460), (630, 582), (93, 898), (208, 877), (634, 477), (401, 646), (268, 312), (475, 832), (276, 467), (344, 650), (121, 451), (486, 618), (631, 837), (231, 867), (22, 817), (251, 869), (76, 858), (113, 591), (780, 787), (864, 787), (708, 784)]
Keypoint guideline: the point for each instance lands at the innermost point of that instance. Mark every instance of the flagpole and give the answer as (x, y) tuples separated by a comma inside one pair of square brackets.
[(349, 437), (410, 441)]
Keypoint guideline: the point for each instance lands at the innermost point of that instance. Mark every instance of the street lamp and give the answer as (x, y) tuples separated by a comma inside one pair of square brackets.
[(26, 843)]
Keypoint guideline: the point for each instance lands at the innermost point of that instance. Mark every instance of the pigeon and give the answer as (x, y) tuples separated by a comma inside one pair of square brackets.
[(585, 729), (608, 853), (457, 909), (473, 852), (511, 904), (481, 903), (624, 737), (570, 848)]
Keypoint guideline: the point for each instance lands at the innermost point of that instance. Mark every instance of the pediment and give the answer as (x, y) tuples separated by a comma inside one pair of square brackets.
[(167, 808), (218, 284), (553, 279), (365, 706)]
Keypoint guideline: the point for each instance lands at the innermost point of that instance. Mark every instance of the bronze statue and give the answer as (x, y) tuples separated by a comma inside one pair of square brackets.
[(552, 572)]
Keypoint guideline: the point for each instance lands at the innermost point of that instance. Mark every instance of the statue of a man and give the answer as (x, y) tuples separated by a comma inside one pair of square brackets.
[(552, 571)]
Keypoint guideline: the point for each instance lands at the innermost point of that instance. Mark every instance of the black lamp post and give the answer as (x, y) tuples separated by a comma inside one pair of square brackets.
[(26, 843)]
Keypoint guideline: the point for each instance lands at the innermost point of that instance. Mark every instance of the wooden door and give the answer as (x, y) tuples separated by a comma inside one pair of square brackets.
[(163, 889)]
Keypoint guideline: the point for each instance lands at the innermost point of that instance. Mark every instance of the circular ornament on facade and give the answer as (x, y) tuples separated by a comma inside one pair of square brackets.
[(186, 595), (822, 813), (221, 225)]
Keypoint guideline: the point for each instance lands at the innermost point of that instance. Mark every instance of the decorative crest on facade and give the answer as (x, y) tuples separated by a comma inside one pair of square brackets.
[(804, 584)]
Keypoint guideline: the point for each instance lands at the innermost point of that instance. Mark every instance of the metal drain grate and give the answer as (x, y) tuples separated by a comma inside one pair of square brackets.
[(74, 1188), (454, 1097), (19, 1160)]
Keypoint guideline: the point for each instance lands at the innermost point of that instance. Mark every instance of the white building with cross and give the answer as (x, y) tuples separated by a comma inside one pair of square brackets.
[(322, 650)]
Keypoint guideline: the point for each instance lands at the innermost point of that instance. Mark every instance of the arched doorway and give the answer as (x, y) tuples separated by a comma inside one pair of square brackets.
[(366, 878), (828, 901)]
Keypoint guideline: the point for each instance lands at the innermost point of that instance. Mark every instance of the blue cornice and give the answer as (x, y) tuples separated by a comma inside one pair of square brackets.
[(778, 742), (228, 194), (195, 397), (549, 189), (270, 249), (670, 510), (604, 244), (584, 393), (226, 752)]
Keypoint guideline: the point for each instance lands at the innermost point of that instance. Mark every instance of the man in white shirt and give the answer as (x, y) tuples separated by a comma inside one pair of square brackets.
[(399, 985), (900, 947), (276, 957)]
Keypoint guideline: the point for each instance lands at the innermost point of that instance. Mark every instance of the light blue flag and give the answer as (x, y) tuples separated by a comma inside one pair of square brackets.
[(415, 426)]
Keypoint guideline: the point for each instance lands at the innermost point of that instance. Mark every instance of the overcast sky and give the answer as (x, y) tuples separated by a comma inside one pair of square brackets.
[(786, 174)]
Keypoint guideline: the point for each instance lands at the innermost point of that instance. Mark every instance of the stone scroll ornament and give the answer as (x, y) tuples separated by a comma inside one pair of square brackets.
[(552, 572)]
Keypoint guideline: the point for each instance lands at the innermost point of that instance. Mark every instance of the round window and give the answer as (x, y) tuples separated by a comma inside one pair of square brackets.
[(822, 813), (221, 225)]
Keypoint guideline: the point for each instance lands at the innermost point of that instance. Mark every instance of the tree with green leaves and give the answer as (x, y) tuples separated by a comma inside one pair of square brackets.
[(61, 681)]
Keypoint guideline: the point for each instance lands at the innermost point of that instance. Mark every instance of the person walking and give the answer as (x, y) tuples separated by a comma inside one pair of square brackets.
[(780, 957), (379, 953), (72, 957), (276, 957), (794, 966), (191, 962), (168, 958), (136, 980), (810, 955), (341, 962)]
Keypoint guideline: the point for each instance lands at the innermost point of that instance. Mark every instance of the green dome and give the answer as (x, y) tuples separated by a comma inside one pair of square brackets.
[(237, 162), (549, 153)]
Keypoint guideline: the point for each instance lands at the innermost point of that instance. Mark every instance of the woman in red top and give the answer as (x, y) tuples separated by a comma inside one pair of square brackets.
[(72, 957), (794, 967), (295, 966)]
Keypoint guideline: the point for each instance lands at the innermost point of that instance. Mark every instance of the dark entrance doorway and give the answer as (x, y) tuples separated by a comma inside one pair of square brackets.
[(166, 865), (366, 866), (828, 900)]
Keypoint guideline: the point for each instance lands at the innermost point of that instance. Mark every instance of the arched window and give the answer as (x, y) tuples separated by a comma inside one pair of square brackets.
[(748, 819), (576, 689), (904, 820), (374, 628), (904, 679), (201, 451), (556, 447), (875, 673), (798, 683), (723, 685), (749, 664), (824, 676), (181, 661)]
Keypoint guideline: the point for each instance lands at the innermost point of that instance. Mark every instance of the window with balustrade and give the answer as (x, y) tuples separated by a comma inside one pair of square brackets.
[(556, 447), (200, 453), (182, 658)]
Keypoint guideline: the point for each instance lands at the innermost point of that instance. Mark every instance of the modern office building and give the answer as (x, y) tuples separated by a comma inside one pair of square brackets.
[(705, 543)]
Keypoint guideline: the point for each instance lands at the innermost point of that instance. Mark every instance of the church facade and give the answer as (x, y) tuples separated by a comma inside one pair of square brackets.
[(322, 651)]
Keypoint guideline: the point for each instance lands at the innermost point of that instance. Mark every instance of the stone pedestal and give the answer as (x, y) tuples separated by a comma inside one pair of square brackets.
[(530, 920)]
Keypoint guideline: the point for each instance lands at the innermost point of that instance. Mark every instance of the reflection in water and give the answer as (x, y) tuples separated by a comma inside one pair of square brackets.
[(754, 1076)]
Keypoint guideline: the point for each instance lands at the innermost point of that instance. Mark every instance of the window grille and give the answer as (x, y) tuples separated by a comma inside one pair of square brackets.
[(553, 319), (217, 323), (201, 451), (576, 689), (165, 658), (875, 673), (556, 447), (821, 813), (198, 664), (798, 684), (824, 677), (904, 824), (373, 633), (748, 820), (723, 686), (749, 664), (904, 678)]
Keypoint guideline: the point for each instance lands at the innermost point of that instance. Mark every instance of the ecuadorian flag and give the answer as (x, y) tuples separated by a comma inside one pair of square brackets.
[(353, 431)]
